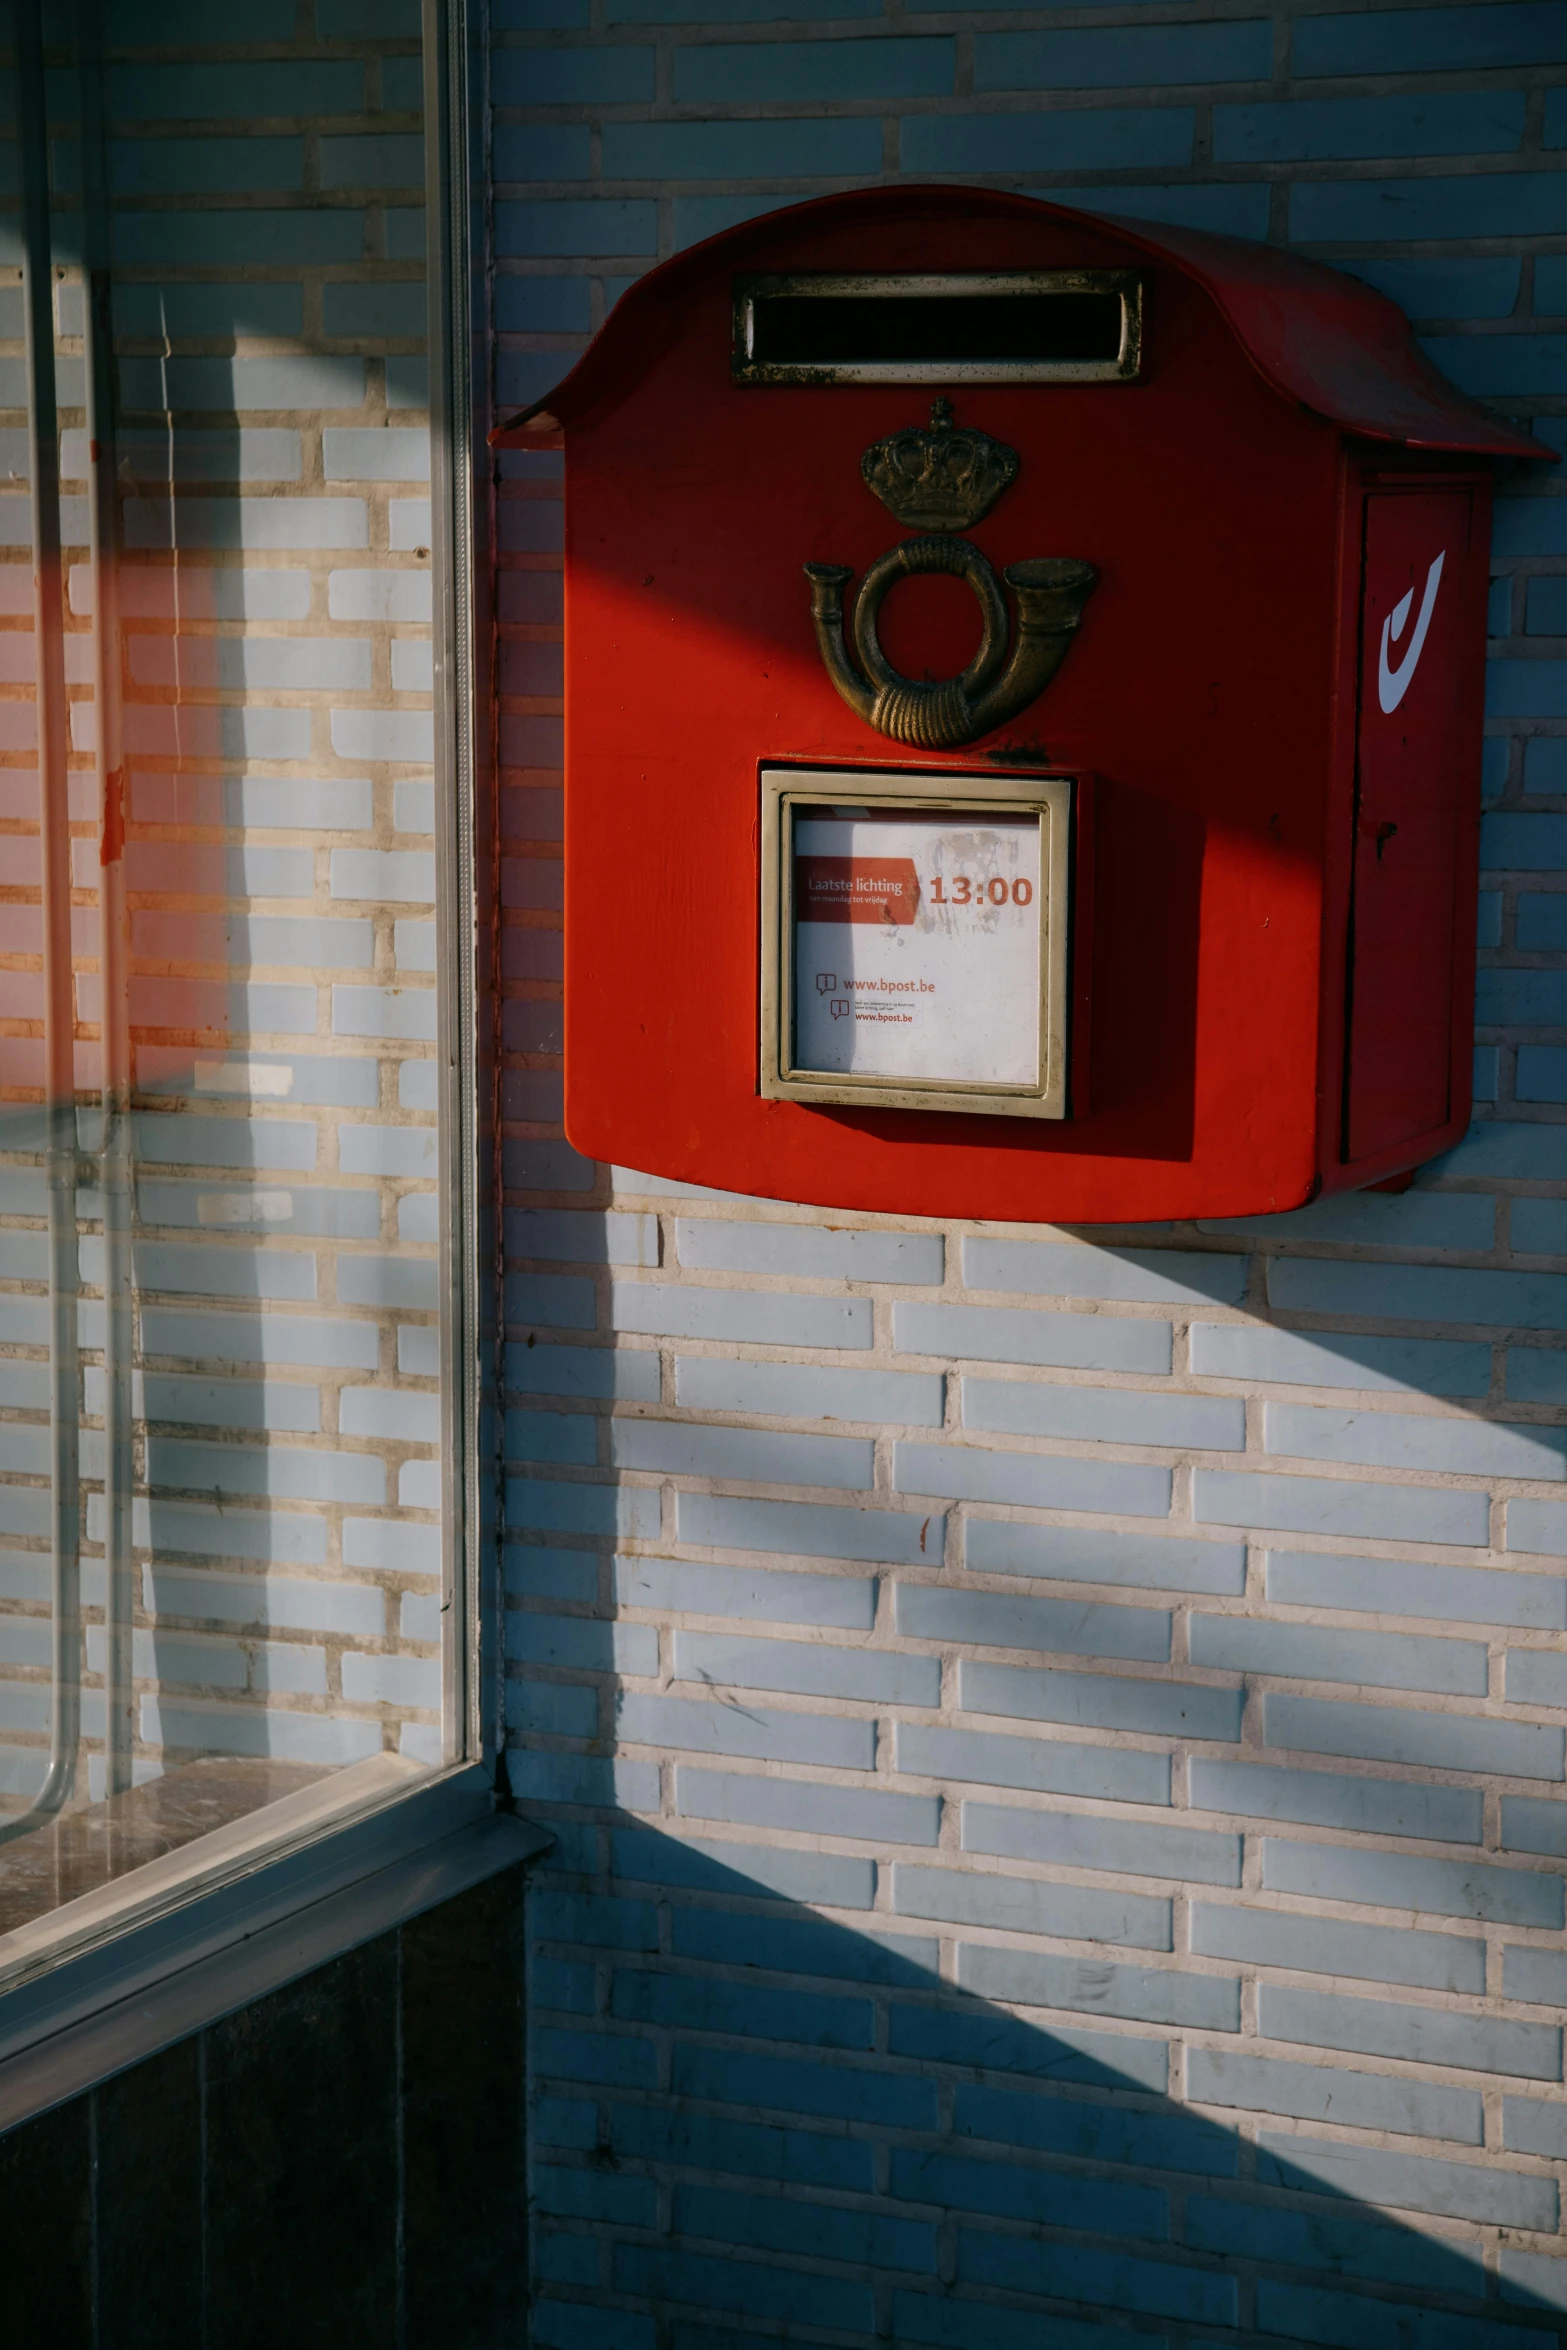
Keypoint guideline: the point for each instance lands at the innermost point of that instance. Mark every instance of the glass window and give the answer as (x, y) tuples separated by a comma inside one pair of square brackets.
[(223, 1561)]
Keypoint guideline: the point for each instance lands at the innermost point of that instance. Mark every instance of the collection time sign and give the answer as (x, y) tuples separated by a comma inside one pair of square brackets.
[(915, 939)]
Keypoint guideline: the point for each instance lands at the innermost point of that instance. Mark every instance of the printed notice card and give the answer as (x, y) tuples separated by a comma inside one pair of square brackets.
[(916, 945)]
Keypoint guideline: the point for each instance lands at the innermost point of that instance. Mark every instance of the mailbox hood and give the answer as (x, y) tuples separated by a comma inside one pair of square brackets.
[(1320, 338)]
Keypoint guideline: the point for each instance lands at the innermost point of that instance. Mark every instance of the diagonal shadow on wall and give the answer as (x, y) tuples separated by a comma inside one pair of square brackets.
[(760, 2119), (933, 2165)]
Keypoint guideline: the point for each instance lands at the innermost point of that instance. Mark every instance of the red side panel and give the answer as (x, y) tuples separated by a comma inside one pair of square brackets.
[(1417, 769)]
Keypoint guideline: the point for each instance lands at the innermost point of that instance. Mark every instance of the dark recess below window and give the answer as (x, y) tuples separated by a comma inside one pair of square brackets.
[(339, 2166)]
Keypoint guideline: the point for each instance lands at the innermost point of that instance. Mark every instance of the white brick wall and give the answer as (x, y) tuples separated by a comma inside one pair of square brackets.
[(1056, 1740)]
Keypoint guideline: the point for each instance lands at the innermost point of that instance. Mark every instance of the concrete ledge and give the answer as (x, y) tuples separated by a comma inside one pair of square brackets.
[(162, 1980)]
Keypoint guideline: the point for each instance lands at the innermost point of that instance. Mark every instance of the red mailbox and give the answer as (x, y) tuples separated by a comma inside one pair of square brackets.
[(1024, 680)]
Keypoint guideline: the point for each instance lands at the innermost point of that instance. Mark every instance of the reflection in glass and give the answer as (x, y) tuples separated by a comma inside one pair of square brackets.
[(220, 1404)]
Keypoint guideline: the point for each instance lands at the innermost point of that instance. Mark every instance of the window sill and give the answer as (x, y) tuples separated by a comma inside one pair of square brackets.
[(130, 1968)]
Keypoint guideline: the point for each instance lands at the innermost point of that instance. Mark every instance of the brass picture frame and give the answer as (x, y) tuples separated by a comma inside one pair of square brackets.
[(784, 790)]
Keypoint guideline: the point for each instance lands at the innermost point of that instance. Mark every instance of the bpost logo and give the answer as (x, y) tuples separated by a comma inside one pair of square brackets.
[(1393, 684)]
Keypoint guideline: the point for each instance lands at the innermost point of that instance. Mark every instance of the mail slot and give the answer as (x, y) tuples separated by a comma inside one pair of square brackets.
[(1024, 688)]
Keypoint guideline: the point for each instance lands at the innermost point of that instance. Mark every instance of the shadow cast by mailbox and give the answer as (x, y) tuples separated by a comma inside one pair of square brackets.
[(1031, 2174), (1004, 2177), (1134, 1063)]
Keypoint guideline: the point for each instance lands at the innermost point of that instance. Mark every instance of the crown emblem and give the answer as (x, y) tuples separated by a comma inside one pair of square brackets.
[(941, 476)]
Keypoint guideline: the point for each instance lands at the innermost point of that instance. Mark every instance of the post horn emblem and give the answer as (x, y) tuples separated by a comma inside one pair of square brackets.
[(939, 480)]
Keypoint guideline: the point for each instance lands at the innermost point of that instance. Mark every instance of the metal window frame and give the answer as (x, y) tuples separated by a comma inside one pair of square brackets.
[(59, 1106), (461, 502), (169, 1948)]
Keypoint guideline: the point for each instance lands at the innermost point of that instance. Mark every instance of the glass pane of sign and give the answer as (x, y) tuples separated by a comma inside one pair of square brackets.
[(916, 944)]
